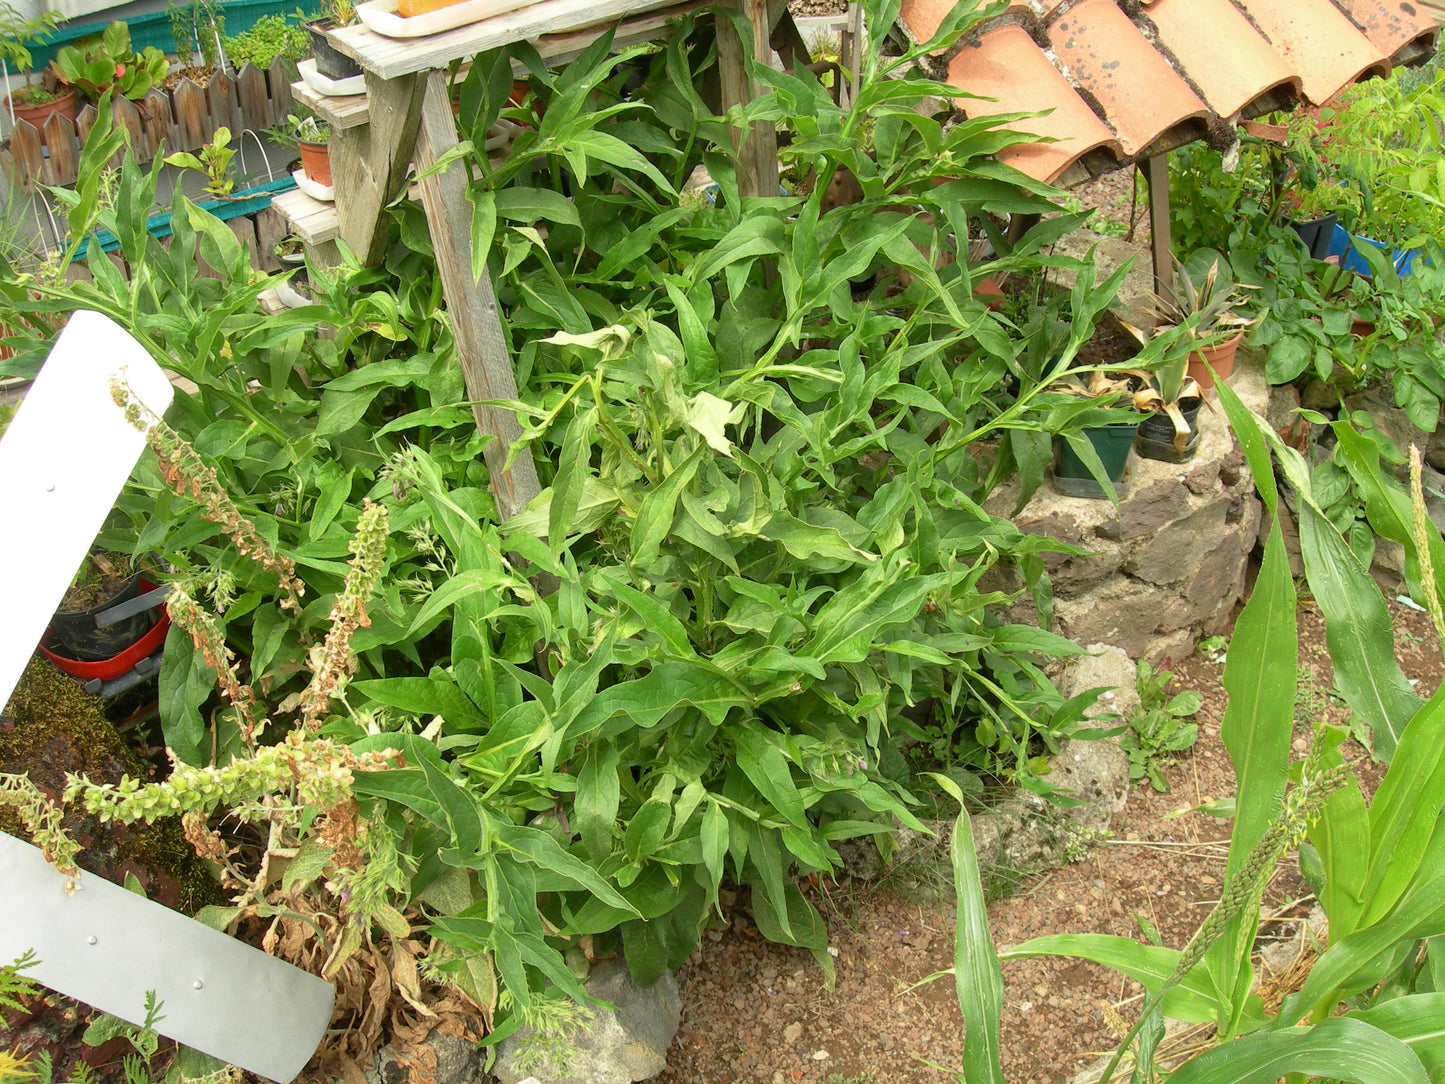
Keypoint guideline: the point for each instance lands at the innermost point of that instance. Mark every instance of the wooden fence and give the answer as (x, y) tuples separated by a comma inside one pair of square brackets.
[(163, 122)]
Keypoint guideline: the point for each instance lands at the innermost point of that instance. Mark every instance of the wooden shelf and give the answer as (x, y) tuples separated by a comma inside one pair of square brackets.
[(390, 58), (311, 220), (340, 113)]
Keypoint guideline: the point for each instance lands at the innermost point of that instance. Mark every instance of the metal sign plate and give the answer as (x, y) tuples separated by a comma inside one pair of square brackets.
[(107, 947), (65, 456)]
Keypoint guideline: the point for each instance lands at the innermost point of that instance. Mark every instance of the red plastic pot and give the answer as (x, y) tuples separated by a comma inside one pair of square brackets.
[(113, 667)]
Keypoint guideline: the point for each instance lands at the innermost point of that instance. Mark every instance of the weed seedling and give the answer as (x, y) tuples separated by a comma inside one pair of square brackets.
[(1159, 726)]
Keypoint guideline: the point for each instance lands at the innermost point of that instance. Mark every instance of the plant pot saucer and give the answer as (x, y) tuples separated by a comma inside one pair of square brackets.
[(324, 84), (323, 192)]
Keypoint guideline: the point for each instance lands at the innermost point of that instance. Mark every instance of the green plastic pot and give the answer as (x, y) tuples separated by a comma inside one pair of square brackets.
[(1111, 443)]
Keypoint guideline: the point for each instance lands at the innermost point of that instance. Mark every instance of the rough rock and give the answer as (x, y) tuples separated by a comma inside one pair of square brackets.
[(1167, 567), (1104, 667), (617, 1045), (441, 1058), (1132, 304)]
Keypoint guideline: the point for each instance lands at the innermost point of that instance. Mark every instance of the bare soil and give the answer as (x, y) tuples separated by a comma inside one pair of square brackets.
[(754, 1011)]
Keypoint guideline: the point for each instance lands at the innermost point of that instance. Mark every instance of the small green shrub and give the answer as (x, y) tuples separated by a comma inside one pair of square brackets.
[(271, 36), (1159, 727)]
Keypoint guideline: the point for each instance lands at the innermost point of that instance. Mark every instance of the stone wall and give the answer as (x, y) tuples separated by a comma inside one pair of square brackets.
[(1167, 568)]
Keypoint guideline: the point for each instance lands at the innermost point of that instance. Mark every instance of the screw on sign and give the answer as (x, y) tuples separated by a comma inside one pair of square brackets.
[(63, 460)]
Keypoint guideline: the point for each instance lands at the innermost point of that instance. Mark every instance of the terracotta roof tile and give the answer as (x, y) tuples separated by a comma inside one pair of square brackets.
[(1319, 41), (1113, 63), (1119, 88), (1235, 69), (1006, 64), (1401, 30)]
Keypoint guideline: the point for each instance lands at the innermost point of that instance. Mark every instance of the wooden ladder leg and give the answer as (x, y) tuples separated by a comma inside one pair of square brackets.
[(369, 163), (481, 344), (758, 145)]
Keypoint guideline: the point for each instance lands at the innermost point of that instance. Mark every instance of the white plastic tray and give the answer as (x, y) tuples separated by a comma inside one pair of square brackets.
[(324, 84), (381, 16), (312, 188)]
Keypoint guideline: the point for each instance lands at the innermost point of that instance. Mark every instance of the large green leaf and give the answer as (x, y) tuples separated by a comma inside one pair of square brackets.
[(977, 978), (1338, 1049), (1358, 629), (1193, 1000), (1260, 676), (1418, 1021), (1406, 809)]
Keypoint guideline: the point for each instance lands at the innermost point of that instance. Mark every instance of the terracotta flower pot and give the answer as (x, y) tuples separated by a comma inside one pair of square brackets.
[(316, 161), (37, 115), (989, 290), (1220, 357)]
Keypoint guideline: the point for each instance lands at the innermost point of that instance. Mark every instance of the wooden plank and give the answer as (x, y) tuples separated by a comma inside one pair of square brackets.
[(64, 143), (851, 56), (279, 77), (562, 47), (271, 226), (252, 99), (27, 154), (369, 163), (192, 118), (757, 147), (344, 112), (481, 344), (1156, 172), (311, 220), (125, 115), (221, 104), (245, 231), (157, 122), (392, 57)]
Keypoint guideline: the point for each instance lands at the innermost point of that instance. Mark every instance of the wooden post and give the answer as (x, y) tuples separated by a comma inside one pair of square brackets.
[(1156, 172), (480, 342), (369, 162), (758, 145)]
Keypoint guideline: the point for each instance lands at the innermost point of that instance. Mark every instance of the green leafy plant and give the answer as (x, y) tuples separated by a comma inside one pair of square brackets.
[(196, 27), (213, 162), (1159, 727), (99, 65), (271, 36), (300, 128), (1375, 867), (17, 33)]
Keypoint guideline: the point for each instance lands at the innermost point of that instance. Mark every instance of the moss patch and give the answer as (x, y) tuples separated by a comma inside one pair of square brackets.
[(52, 728)]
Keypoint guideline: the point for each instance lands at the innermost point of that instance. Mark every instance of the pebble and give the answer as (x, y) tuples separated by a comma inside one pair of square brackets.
[(793, 1032), (821, 1055)]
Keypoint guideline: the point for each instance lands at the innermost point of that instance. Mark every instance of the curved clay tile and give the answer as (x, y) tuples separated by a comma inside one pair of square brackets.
[(1006, 64), (1401, 30), (1226, 58), (1141, 95), (1318, 41), (924, 17)]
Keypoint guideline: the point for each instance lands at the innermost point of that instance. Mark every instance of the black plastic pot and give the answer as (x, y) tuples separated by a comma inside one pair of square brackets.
[(1316, 234), (1156, 434), (89, 641), (330, 62), (1111, 443)]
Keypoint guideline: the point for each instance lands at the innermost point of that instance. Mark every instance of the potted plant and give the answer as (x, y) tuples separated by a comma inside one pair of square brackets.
[(330, 61), (99, 65), (82, 630), (1171, 397), (1100, 450), (32, 102), (312, 138), (1204, 299)]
